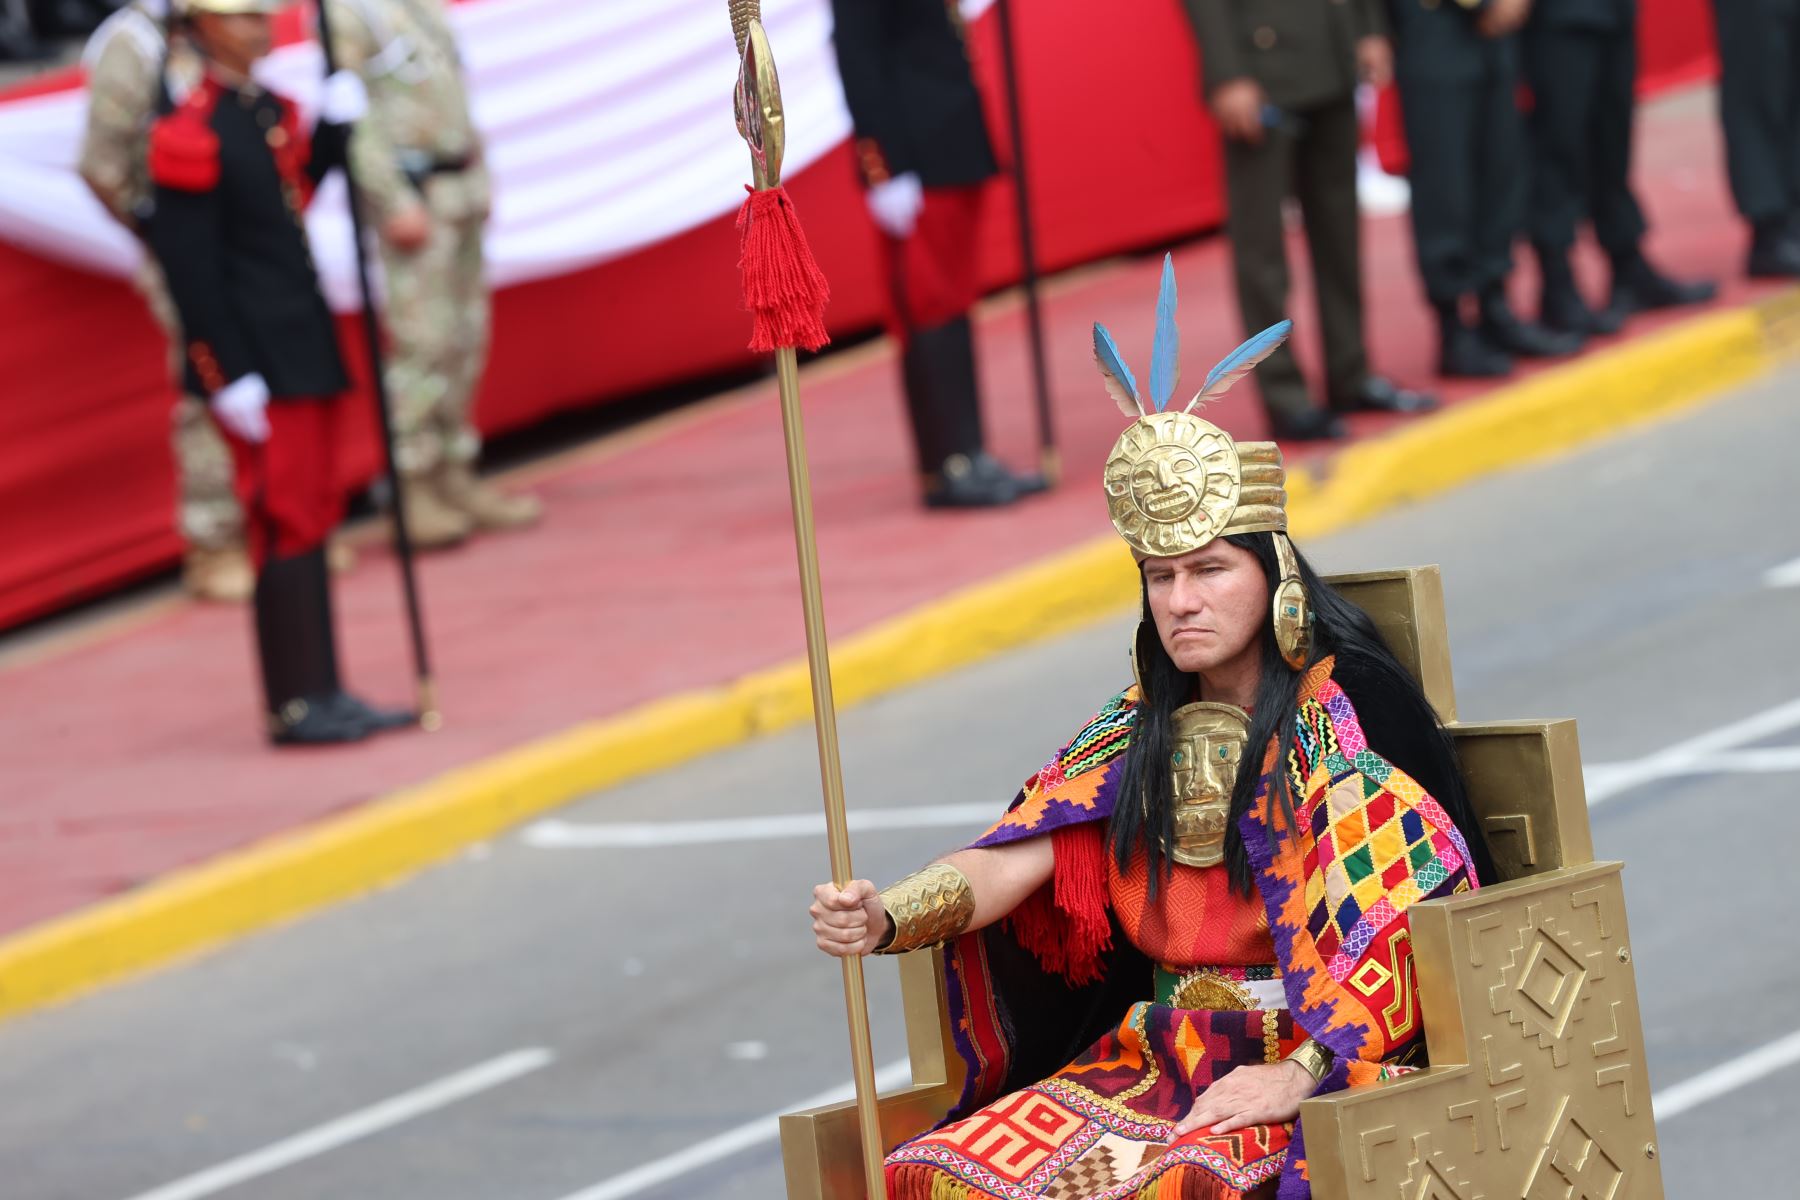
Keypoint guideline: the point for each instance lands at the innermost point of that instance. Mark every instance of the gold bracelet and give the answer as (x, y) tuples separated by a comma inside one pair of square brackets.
[(1313, 1058), (927, 907)]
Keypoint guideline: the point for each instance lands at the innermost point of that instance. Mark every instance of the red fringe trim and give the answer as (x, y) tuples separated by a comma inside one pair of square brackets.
[(916, 1181), (1065, 925), (783, 287), (1188, 1183)]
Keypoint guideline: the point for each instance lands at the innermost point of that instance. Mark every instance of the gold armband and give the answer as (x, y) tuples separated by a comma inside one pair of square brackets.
[(1313, 1058), (927, 907)]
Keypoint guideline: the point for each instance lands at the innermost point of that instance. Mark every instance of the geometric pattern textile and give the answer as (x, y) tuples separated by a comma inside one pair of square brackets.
[(1077, 785), (1099, 1128)]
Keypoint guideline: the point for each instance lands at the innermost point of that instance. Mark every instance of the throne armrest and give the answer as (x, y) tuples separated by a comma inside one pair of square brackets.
[(1537, 1084), (821, 1148)]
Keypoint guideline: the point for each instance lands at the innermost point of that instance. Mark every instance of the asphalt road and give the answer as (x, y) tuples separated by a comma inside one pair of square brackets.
[(578, 1021)]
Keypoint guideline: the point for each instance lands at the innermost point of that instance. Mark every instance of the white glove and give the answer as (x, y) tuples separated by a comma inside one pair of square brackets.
[(343, 100), (895, 204), (242, 407)]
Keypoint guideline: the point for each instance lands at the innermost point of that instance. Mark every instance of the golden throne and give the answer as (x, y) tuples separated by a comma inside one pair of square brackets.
[(1538, 1087)]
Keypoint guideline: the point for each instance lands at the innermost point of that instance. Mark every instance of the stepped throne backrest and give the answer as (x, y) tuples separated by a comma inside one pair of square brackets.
[(1537, 1088)]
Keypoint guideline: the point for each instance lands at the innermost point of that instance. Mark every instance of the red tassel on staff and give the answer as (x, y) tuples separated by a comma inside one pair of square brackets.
[(783, 287)]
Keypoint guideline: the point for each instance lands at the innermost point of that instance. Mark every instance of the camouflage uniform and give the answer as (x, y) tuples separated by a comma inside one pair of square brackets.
[(419, 144), (123, 60)]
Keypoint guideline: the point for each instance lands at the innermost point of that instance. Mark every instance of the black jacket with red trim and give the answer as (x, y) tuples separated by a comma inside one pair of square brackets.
[(911, 92), (232, 173)]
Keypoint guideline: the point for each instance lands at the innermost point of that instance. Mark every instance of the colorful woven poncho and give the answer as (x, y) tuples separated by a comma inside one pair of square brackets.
[(1075, 1081)]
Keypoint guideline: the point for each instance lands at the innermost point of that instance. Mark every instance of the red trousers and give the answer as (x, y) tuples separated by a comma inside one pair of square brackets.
[(931, 275), (288, 484)]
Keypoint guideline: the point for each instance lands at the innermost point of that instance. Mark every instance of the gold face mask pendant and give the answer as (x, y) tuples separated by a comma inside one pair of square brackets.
[(1209, 748)]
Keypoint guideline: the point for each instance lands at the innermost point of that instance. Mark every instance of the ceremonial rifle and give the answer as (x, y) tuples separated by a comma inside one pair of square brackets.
[(785, 292), (429, 716), (1049, 460)]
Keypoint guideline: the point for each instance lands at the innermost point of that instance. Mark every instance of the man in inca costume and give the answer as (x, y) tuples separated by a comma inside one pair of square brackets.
[(1156, 954)]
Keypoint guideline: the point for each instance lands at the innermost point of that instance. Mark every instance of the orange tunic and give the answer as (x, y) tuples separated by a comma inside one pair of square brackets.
[(1196, 920)]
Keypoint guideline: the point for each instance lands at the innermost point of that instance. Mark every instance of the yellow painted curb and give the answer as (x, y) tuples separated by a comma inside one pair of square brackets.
[(295, 873)]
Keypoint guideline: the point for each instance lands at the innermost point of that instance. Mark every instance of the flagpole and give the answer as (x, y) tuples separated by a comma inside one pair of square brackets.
[(430, 717), (1049, 458)]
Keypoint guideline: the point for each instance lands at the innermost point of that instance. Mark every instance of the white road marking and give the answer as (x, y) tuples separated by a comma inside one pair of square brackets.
[(1787, 575), (732, 1141), (328, 1137), (1702, 754), (566, 835), (1726, 1077)]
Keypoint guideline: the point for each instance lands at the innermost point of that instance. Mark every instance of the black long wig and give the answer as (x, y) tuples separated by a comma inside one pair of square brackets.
[(1399, 721)]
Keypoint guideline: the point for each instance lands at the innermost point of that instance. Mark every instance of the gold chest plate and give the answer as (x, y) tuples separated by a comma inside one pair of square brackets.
[(1209, 746)]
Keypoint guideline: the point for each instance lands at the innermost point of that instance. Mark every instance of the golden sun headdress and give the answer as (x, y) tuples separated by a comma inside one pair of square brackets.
[(1175, 481)]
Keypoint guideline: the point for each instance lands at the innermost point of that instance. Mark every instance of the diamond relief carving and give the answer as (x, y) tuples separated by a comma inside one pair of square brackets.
[(1547, 983)]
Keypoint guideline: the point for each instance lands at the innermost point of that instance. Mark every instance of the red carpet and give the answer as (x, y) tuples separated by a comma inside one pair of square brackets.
[(665, 564)]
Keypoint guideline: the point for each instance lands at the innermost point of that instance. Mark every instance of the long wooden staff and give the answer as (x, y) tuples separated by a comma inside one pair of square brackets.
[(430, 718), (785, 291)]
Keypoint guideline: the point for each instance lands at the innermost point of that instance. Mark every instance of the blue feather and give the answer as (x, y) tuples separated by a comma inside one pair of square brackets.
[(1120, 384), (1240, 362), (1165, 351)]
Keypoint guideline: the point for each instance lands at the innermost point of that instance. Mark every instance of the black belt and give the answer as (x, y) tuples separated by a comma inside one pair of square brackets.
[(419, 169)]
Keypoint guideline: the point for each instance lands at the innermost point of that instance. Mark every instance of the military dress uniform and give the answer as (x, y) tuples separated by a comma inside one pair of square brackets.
[(918, 116), (1581, 63), (1466, 137), (1759, 105), (1303, 56), (231, 171), (419, 147), (133, 72)]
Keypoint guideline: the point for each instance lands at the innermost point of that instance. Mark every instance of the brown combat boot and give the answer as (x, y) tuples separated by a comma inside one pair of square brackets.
[(487, 506), (431, 524), (222, 576)]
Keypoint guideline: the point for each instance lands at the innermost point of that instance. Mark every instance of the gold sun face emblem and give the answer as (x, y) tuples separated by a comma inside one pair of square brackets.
[(1172, 482)]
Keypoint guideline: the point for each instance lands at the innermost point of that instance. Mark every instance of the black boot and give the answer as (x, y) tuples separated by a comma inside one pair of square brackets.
[(299, 665), (1378, 394), (1503, 328), (1639, 287), (339, 702), (1309, 425), (938, 368), (1774, 250), (1562, 309), (1464, 353)]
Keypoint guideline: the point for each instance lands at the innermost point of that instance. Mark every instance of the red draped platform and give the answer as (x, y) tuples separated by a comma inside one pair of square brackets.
[(1122, 156)]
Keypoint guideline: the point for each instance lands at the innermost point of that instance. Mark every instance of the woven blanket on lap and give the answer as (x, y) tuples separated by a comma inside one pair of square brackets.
[(1098, 1129)]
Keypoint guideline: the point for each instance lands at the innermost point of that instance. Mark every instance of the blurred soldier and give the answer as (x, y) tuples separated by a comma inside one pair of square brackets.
[(1581, 62), (231, 171), (1282, 83), (1457, 63), (1759, 102), (418, 164), (922, 145), (135, 72)]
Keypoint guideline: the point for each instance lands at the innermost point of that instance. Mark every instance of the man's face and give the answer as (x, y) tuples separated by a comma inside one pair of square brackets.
[(1209, 605), (235, 40)]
